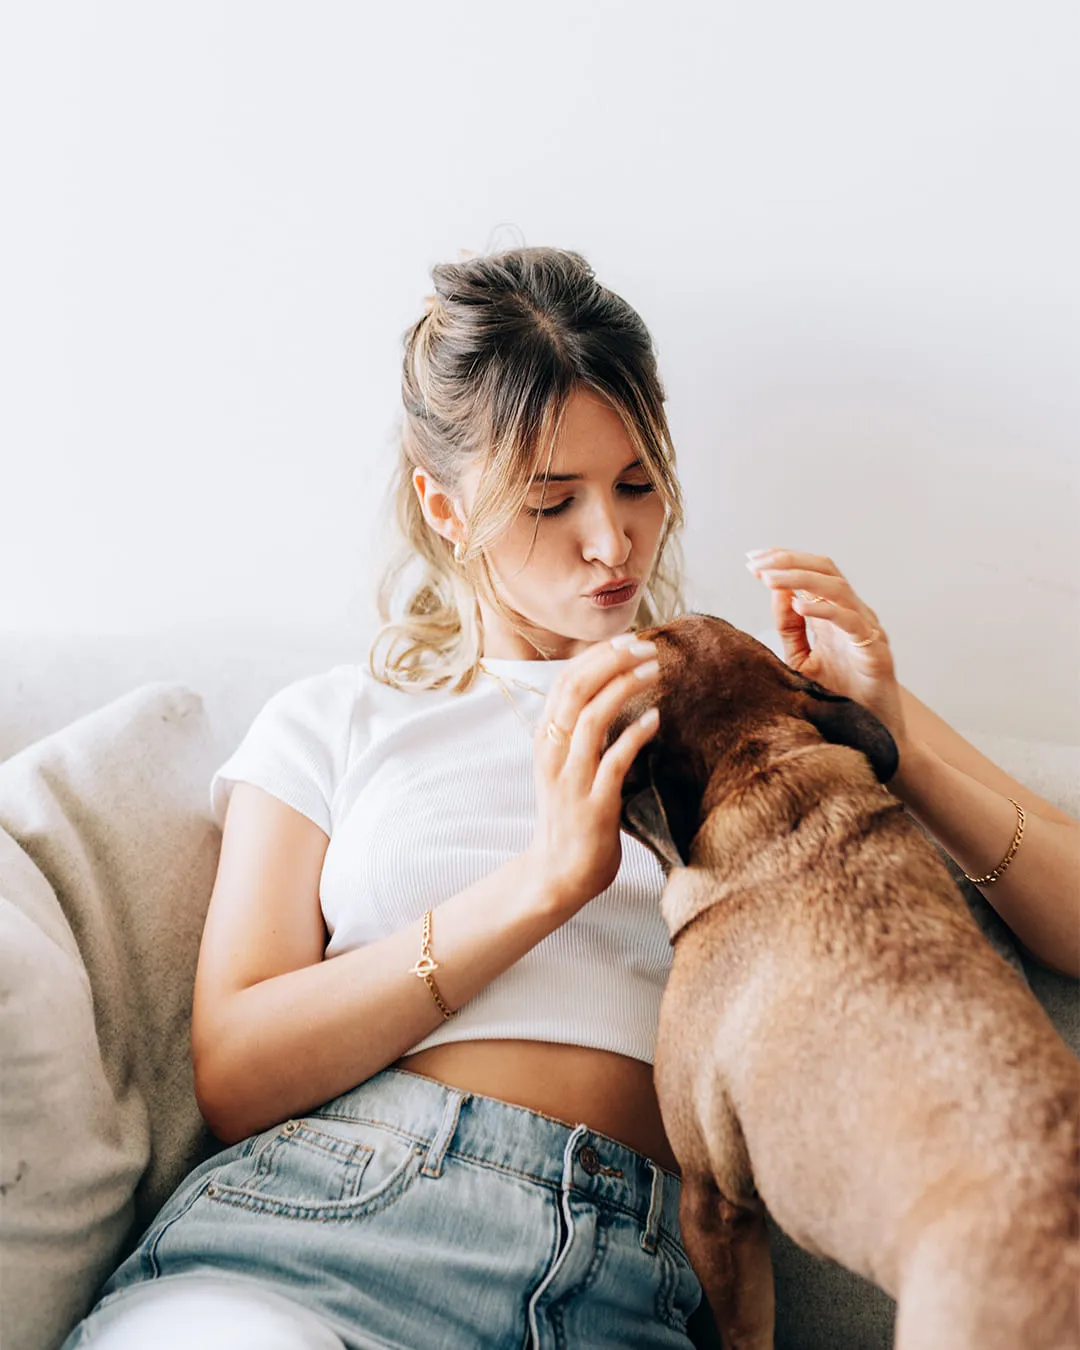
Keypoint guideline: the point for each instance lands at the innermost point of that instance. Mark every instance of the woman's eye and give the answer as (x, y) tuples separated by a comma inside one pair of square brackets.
[(634, 489)]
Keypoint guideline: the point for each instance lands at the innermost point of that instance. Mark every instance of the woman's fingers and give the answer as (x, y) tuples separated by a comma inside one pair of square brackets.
[(816, 595), (590, 735), (832, 587), (587, 675), (578, 824), (785, 557), (789, 624)]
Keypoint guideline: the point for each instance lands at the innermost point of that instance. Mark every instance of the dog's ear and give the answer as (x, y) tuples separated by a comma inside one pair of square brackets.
[(663, 811), (846, 722)]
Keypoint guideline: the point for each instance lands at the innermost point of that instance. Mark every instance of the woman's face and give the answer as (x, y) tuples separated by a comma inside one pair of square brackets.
[(602, 524)]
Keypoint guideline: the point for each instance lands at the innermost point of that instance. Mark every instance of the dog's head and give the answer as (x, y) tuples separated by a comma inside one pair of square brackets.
[(727, 705)]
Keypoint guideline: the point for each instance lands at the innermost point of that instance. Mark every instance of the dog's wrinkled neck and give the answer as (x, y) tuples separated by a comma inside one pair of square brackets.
[(750, 837)]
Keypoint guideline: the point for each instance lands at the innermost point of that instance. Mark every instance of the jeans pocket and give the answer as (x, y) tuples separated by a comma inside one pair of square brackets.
[(681, 1290), (321, 1167)]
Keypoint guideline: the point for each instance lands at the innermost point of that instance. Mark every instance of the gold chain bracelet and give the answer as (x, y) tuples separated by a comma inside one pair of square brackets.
[(993, 876), (426, 965)]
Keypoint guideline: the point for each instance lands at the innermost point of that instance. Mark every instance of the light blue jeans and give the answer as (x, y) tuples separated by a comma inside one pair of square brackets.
[(406, 1214)]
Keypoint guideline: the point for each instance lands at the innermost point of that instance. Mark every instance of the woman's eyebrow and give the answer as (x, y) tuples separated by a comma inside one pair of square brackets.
[(575, 477)]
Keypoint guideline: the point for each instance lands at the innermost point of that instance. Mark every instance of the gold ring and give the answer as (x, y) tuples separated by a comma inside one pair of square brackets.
[(812, 599), (556, 734), (866, 641)]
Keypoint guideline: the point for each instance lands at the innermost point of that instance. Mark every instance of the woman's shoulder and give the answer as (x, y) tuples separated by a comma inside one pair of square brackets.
[(314, 702), (296, 745)]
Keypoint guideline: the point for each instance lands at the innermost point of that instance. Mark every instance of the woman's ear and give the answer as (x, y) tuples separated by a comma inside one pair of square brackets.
[(442, 512)]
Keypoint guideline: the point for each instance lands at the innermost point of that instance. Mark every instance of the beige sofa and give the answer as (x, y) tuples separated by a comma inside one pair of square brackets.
[(107, 858)]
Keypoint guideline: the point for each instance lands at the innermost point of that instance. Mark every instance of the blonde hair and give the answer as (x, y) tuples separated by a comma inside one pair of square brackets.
[(504, 342)]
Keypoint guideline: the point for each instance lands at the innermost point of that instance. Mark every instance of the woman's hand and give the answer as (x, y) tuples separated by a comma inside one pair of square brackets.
[(840, 619), (578, 784)]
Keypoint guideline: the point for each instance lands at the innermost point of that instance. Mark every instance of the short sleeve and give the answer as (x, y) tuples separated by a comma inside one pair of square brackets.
[(296, 748)]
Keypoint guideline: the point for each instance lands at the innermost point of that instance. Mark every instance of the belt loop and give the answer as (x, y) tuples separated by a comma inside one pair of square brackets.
[(656, 1208), (568, 1156), (447, 1125)]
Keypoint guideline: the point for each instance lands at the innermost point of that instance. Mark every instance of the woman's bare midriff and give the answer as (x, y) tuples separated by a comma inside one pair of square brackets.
[(611, 1093)]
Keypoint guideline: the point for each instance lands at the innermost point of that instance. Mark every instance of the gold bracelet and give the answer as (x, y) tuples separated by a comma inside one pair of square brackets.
[(993, 876), (426, 963)]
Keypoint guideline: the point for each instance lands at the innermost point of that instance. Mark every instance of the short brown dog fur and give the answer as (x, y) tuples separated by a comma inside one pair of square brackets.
[(837, 1039)]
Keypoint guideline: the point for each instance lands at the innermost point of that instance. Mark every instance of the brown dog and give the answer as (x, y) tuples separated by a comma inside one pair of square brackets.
[(837, 1039)]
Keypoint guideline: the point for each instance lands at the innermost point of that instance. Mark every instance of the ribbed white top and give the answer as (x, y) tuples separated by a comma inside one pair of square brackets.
[(422, 794)]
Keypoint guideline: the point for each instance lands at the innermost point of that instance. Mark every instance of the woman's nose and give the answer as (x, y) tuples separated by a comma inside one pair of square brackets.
[(607, 540)]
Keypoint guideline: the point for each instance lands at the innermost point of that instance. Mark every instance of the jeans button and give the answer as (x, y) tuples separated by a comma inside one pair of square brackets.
[(590, 1160)]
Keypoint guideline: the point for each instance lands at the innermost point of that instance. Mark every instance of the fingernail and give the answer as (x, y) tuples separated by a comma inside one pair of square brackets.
[(754, 567), (650, 715), (635, 645), (647, 670)]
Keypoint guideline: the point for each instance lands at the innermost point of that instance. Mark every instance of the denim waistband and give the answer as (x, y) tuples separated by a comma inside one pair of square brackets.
[(516, 1139)]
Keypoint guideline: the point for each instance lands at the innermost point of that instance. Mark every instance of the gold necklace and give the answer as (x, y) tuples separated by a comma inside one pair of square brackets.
[(534, 727)]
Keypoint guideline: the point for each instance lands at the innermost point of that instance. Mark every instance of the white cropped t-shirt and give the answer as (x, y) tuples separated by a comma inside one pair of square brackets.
[(423, 793)]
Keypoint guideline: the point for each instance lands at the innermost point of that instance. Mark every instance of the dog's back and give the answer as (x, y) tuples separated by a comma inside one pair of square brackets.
[(881, 1077)]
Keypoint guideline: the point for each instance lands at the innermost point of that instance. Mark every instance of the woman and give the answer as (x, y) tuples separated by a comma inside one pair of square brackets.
[(447, 1135)]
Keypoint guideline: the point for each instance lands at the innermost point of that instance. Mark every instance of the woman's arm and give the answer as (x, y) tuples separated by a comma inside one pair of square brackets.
[(963, 800), (279, 1045), (957, 793)]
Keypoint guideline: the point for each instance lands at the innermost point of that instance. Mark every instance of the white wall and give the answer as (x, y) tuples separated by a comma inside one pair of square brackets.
[(850, 227)]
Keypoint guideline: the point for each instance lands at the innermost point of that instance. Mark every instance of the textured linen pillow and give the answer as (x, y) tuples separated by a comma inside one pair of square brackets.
[(107, 860)]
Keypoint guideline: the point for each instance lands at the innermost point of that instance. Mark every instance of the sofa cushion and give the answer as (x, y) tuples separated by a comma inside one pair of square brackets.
[(107, 860)]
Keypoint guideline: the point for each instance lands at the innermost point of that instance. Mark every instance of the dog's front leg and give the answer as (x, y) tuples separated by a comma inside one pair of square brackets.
[(728, 1246)]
